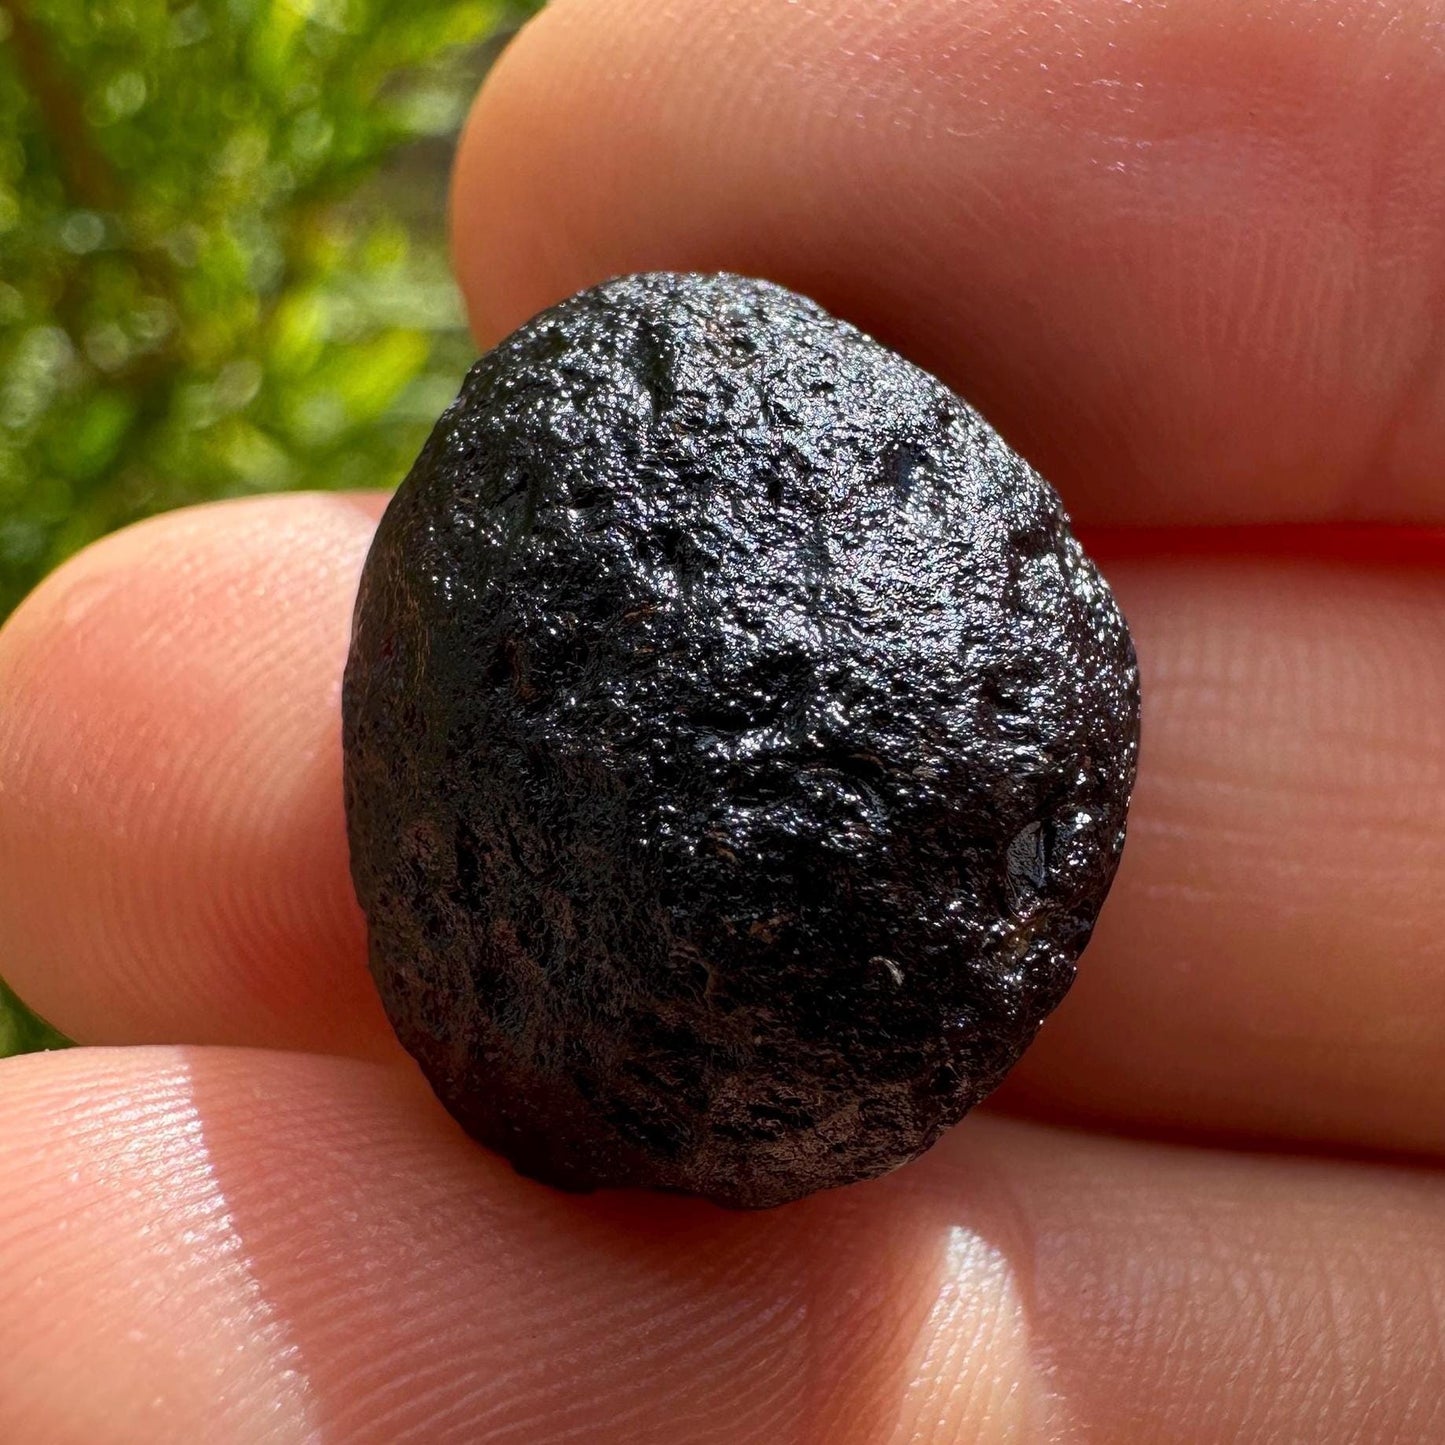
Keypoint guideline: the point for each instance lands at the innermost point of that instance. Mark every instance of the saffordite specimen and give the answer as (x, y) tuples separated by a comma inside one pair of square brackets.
[(738, 745)]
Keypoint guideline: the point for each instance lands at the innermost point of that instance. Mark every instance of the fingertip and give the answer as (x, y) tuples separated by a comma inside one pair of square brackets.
[(173, 860), (1186, 256), (504, 253), (128, 1306)]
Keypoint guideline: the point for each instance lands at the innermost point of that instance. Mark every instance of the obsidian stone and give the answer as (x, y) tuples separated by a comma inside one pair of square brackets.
[(738, 746)]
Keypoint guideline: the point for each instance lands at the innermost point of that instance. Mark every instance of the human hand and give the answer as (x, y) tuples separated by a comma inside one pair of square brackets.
[(1191, 258)]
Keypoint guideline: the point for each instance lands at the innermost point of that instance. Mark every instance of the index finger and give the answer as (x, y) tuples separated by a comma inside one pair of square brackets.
[(1188, 256)]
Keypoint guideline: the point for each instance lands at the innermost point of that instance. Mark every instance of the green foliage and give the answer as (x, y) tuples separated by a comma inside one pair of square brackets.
[(222, 260), (21, 1032), (206, 290)]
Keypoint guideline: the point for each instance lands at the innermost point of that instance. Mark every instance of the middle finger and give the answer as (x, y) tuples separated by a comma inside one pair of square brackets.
[(1270, 960)]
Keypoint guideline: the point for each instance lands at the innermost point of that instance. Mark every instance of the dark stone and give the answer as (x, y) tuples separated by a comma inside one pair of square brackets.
[(738, 745)]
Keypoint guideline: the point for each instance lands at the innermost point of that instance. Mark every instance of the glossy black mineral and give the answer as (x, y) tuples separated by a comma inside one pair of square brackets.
[(738, 745)]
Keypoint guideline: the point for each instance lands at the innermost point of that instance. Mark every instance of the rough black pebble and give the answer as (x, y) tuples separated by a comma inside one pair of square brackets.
[(738, 745)]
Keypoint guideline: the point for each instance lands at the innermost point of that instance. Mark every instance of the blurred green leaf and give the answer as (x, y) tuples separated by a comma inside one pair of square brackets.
[(21, 1032), (222, 252), (222, 256)]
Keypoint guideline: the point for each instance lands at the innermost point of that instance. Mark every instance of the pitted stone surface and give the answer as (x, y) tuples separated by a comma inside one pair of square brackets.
[(738, 748)]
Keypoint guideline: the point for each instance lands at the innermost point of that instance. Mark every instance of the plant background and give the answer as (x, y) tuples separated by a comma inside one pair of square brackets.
[(222, 259)]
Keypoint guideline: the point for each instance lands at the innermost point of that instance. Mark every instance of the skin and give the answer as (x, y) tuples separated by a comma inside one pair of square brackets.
[(1190, 256)]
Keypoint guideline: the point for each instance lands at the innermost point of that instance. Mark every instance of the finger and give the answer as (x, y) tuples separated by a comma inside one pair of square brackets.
[(1269, 963), (1189, 257), (1272, 958), (173, 856), (336, 1262)]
